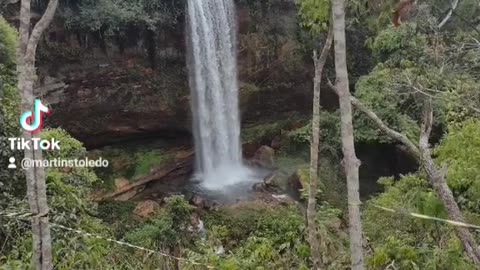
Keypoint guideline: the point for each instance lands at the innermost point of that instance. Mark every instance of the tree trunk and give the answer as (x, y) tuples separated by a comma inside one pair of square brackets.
[(350, 160), (437, 179), (35, 177), (312, 202)]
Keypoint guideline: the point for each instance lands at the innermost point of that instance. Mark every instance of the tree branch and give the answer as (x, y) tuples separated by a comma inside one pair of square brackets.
[(411, 147), (427, 123), (449, 14), (38, 30)]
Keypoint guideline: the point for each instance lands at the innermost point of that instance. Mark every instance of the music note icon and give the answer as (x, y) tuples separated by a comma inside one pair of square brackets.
[(32, 121)]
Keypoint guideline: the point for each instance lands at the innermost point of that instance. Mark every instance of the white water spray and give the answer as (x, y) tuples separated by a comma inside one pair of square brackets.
[(214, 90)]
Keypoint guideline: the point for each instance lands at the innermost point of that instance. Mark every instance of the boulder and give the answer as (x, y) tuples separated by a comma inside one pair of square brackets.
[(146, 208), (121, 183), (259, 187), (296, 183), (272, 181), (264, 156)]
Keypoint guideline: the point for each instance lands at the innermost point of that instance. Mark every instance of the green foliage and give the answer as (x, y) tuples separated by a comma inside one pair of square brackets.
[(408, 242), (67, 190), (117, 17), (146, 160), (69, 146), (387, 89), (399, 44), (380, 90), (394, 250), (8, 43), (260, 237), (419, 244), (9, 112), (415, 65), (329, 134), (118, 215), (314, 14), (166, 230), (9, 98), (460, 151)]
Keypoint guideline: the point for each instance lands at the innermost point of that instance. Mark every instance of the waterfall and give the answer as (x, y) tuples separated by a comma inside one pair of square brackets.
[(214, 91)]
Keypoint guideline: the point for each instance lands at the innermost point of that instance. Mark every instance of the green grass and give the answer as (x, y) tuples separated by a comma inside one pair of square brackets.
[(146, 160)]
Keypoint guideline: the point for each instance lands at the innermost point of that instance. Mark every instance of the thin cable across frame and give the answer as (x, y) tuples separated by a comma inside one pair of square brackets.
[(23, 215), (421, 216)]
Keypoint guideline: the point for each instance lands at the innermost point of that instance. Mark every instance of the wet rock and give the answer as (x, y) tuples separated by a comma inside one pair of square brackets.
[(146, 208), (272, 180), (199, 201), (264, 156), (259, 187)]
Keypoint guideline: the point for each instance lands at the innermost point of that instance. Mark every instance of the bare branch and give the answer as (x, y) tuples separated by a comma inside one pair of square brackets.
[(449, 14), (425, 93), (427, 123)]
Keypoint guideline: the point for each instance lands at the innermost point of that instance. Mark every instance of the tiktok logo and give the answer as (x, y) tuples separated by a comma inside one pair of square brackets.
[(32, 121)]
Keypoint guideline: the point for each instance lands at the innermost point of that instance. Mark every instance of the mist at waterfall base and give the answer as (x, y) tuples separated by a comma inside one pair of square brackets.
[(212, 62)]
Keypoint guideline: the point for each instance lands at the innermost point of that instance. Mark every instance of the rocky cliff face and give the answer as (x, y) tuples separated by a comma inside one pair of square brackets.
[(104, 96)]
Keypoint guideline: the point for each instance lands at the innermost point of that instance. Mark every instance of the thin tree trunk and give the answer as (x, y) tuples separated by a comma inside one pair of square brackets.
[(350, 160), (35, 177), (312, 202)]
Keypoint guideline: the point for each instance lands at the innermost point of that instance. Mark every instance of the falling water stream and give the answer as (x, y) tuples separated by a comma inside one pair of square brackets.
[(214, 89)]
